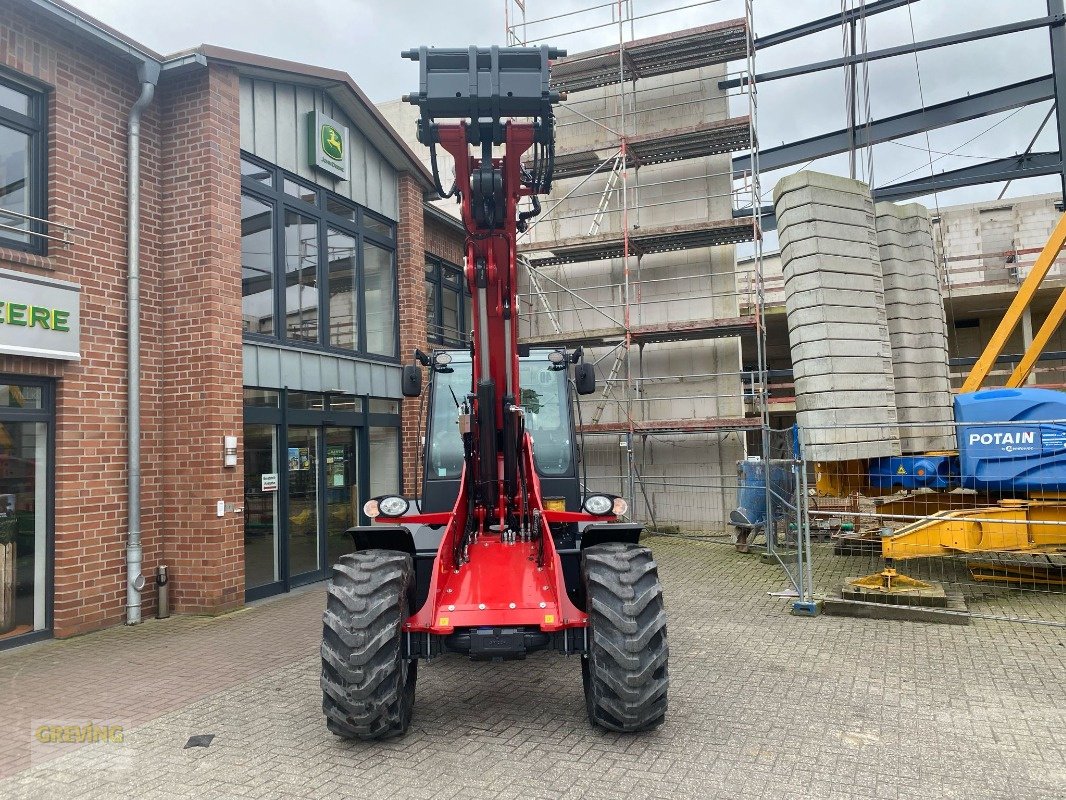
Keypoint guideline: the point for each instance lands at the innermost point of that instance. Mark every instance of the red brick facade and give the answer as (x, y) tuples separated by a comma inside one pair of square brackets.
[(444, 241), (418, 234), (202, 361), (411, 264), (88, 106), (191, 339)]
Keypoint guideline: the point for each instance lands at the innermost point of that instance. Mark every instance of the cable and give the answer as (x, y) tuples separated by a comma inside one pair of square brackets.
[(952, 152), (950, 305), (436, 175), (866, 93), (1032, 144), (941, 152)]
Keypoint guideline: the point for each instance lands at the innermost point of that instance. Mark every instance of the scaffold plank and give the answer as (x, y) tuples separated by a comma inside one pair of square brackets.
[(575, 163), (709, 139), (643, 241), (664, 426), (649, 334), (654, 55)]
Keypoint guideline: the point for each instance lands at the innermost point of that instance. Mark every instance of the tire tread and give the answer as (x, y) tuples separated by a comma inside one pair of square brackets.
[(627, 668), (367, 689)]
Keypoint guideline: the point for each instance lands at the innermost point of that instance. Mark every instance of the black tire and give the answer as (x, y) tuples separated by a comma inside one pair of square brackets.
[(368, 689), (625, 672)]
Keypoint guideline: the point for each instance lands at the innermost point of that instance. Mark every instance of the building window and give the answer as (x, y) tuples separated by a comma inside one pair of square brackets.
[(320, 264), (385, 456), (301, 277), (343, 289), (257, 265), (380, 278), (447, 303), (22, 168), (310, 459)]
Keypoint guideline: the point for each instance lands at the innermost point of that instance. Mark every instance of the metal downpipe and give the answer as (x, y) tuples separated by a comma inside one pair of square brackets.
[(148, 74)]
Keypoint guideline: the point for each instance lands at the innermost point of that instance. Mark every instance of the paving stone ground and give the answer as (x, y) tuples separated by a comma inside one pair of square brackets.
[(762, 705)]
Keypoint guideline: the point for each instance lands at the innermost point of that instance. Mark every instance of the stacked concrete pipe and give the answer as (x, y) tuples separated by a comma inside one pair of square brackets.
[(837, 321), (916, 327)]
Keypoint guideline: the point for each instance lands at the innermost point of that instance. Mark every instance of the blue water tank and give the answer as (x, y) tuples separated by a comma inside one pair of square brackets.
[(1012, 440), (751, 491)]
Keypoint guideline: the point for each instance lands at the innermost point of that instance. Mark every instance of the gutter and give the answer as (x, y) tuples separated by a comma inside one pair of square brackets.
[(148, 75)]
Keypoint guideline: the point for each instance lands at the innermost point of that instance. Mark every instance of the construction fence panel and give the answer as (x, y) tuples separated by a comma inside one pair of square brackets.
[(675, 483), (979, 531)]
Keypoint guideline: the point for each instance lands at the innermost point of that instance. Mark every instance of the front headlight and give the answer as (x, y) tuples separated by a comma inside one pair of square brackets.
[(598, 504), (392, 506)]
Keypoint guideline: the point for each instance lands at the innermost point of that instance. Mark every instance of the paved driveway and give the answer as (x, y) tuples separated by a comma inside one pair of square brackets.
[(762, 704)]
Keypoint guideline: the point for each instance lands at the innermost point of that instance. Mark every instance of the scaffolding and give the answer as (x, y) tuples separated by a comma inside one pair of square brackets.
[(621, 264)]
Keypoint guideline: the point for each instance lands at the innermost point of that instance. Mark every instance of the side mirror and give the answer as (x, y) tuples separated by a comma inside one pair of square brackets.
[(585, 378), (411, 382)]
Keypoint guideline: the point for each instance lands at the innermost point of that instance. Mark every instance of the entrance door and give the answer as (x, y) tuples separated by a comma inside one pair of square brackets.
[(262, 562), (304, 535), (313, 447), (341, 490)]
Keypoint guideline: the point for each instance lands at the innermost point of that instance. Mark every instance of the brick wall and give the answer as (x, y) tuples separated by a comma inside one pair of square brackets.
[(87, 109), (190, 331), (444, 241), (202, 365), (417, 234), (410, 260)]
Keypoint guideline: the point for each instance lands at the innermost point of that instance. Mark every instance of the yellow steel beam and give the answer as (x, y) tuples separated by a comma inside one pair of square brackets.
[(926, 504), (1043, 336), (1013, 315), (1011, 525)]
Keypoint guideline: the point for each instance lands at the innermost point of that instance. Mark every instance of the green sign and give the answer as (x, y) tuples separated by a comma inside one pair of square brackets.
[(327, 145), (39, 316)]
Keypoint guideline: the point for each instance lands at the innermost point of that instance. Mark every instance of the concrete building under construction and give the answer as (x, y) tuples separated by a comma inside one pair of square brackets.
[(634, 260)]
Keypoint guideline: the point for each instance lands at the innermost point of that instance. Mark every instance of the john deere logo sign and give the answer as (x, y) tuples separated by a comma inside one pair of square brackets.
[(332, 143), (39, 316), (327, 145)]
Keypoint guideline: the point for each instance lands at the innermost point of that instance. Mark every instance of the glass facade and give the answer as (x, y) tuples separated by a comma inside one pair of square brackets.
[(311, 459), (261, 562), (343, 289), (380, 279), (25, 515), (320, 263), (301, 277)]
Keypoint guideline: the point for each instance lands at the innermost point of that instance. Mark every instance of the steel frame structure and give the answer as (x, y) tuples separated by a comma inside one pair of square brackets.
[(1005, 98)]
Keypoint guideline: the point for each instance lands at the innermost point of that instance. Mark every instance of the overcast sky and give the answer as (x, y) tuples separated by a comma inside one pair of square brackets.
[(364, 37)]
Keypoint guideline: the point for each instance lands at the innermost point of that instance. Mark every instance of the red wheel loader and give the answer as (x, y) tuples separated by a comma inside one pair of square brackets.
[(505, 553)]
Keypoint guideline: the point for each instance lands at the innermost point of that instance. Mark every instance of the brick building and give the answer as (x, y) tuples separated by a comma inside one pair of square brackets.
[(285, 259)]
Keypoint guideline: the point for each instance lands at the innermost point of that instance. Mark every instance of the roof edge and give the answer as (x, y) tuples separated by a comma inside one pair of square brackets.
[(87, 24)]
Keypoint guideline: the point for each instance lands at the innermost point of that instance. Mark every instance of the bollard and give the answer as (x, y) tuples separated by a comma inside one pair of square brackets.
[(162, 609)]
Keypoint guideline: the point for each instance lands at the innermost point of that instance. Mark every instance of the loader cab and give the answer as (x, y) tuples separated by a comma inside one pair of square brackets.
[(548, 402)]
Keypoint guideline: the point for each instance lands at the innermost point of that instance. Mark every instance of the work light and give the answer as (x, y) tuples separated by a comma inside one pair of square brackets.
[(599, 504)]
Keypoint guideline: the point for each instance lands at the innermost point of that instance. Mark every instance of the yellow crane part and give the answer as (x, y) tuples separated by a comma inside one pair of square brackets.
[(1013, 315), (1040, 341), (1009, 525)]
